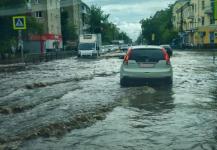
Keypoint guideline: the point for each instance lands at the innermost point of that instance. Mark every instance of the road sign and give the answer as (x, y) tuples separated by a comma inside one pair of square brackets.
[(19, 22)]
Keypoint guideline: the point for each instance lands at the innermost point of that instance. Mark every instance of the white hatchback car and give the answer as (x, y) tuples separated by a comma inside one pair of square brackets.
[(146, 63)]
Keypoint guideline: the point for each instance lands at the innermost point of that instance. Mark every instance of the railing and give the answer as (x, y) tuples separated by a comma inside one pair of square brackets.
[(37, 58), (208, 10)]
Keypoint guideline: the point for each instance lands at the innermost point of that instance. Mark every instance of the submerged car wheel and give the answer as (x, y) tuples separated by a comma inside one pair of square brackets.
[(95, 55), (123, 82), (169, 80)]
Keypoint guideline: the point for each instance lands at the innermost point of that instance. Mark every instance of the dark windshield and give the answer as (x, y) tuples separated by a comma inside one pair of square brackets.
[(87, 46), (147, 55)]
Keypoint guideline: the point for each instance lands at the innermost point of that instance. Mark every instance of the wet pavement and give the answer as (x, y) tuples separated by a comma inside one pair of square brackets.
[(79, 104)]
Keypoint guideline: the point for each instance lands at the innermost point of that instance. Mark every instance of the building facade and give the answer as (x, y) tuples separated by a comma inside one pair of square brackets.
[(47, 13), (85, 14), (78, 14), (194, 19)]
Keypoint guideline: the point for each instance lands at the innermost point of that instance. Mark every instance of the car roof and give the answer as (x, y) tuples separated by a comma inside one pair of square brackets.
[(165, 45), (146, 47)]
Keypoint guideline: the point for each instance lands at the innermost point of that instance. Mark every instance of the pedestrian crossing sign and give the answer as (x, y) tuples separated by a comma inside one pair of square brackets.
[(19, 22)]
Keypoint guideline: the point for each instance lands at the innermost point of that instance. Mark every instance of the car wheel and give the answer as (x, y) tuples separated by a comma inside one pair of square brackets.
[(169, 80), (95, 55), (78, 55), (123, 82)]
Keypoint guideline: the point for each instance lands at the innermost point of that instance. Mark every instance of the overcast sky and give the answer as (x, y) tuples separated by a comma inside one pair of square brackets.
[(126, 14)]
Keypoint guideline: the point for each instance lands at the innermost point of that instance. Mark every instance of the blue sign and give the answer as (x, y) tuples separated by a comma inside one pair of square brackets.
[(19, 22)]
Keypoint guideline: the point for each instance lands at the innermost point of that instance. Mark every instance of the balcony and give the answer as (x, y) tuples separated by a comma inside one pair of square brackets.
[(208, 11), (191, 16)]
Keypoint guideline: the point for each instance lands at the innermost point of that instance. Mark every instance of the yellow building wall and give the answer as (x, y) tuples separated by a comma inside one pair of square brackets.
[(206, 39)]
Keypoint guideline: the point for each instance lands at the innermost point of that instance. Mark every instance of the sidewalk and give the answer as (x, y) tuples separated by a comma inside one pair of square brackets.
[(195, 49)]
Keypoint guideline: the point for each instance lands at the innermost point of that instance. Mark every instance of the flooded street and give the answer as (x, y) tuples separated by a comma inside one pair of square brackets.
[(79, 104)]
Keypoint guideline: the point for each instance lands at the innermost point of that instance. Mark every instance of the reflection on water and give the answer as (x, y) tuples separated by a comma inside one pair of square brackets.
[(156, 99)]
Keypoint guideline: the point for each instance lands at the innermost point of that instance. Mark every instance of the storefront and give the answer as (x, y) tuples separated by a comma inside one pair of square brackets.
[(207, 36), (45, 43)]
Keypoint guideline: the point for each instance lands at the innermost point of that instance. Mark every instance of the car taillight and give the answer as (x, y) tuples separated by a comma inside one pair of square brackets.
[(127, 56), (166, 56)]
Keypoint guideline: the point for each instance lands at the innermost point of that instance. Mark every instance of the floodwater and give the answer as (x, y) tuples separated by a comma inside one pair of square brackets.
[(79, 104)]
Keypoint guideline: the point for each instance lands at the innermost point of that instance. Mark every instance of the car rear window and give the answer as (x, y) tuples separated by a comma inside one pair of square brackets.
[(146, 55)]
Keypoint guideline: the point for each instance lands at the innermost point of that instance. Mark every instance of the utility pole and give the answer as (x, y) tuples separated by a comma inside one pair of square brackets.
[(181, 21), (181, 26), (20, 44), (19, 24)]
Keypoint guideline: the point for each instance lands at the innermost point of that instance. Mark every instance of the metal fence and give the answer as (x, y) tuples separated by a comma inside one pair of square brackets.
[(37, 58)]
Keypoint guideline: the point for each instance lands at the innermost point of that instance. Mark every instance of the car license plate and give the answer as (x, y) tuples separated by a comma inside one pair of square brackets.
[(142, 65)]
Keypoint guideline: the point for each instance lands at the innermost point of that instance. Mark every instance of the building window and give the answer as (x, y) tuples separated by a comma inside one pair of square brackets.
[(38, 14), (203, 21), (203, 5), (212, 21)]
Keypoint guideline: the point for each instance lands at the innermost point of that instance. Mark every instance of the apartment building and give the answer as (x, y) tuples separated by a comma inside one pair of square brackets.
[(194, 19), (78, 14), (85, 14), (180, 21), (177, 13), (47, 13)]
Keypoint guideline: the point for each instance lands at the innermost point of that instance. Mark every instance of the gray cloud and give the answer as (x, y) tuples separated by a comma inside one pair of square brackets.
[(126, 14)]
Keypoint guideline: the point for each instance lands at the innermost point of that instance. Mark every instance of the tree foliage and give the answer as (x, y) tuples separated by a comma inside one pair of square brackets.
[(99, 23), (97, 18), (160, 25), (8, 33), (6, 29), (11, 3), (68, 29)]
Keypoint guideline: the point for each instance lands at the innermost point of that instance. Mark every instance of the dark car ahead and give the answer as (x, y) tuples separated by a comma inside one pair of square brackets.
[(168, 49)]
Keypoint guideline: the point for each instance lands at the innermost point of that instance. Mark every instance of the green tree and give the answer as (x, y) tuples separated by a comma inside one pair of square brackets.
[(6, 29), (97, 19), (99, 24), (124, 36), (160, 25), (68, 29), (11, 3)]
